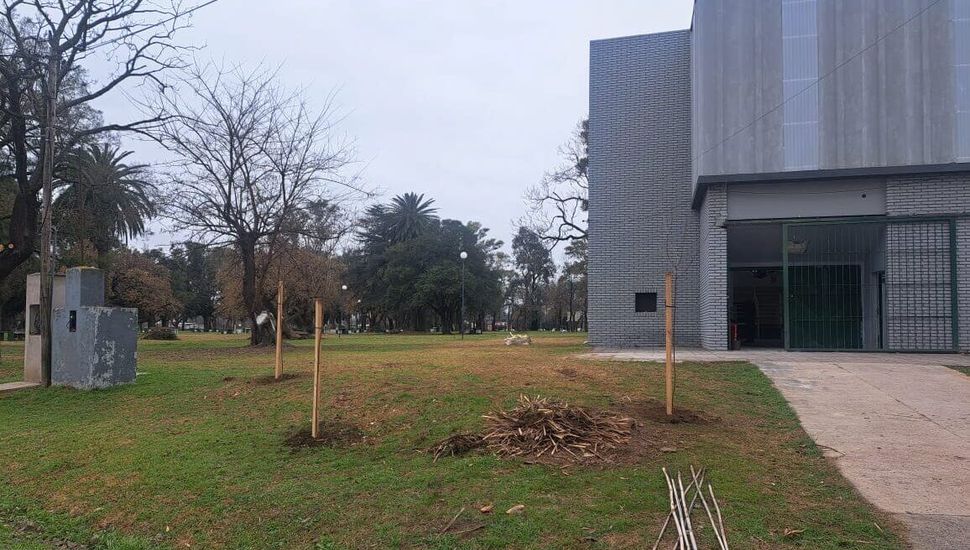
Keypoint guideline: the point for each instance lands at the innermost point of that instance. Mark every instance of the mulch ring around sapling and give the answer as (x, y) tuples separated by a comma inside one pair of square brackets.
[(656, 411), (271, 378), (457, 445), (332, 433)]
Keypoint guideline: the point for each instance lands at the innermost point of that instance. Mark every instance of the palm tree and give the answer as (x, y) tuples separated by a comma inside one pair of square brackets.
[(102, 199), (408, 216)]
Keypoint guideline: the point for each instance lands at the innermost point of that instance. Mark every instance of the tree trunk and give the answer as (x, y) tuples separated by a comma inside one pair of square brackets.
[(571, 325), (585, 317), (26, 208), (247, 252), (23, 234)]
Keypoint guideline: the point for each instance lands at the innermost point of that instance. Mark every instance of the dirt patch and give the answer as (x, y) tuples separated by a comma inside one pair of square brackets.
[(332, 433), (271, 378), (655, 411), (457, 445)]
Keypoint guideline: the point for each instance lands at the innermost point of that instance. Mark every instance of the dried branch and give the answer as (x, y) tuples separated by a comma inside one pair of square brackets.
[(558, 204)]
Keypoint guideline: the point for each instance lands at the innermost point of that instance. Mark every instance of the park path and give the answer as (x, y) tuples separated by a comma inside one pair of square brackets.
[(10, 387), (896, 425)]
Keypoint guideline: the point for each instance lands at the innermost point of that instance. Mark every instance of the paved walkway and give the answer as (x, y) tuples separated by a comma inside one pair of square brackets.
[(896, 425), (9, 387)]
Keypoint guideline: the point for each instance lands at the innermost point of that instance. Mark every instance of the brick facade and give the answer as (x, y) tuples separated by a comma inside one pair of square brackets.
[(944, 194), (714, 269), (640, 219)]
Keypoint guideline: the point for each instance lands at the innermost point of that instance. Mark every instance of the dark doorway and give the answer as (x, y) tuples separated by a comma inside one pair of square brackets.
[(757, 313)]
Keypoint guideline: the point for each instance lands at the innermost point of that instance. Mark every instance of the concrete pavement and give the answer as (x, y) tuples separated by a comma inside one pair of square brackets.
[(896, 425), (10, 387)]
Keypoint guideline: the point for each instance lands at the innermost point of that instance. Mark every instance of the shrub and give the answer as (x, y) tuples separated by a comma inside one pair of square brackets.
[(161, 333)]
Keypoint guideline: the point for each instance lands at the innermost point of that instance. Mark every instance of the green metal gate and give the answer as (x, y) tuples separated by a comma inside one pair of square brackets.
[(864, 284)]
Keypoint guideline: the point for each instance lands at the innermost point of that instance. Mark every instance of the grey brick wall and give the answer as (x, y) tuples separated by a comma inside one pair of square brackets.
[(918, 307), (935, 195), (713, 269), (640, 220)]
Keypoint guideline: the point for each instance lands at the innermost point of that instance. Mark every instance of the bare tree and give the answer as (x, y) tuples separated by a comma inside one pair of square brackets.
[(45, 96), (558, 204), (255, 164), (45, 93)]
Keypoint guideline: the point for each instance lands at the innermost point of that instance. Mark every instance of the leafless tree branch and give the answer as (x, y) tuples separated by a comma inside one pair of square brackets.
[(257, 167), (43, 37)]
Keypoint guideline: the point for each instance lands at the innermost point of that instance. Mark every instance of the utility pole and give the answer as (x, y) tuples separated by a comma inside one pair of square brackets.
[(340, 310), (47, 176)]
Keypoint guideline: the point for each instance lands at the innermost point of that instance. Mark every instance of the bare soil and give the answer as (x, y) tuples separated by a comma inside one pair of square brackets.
[(333, 433), (656, 411), (271, 378)]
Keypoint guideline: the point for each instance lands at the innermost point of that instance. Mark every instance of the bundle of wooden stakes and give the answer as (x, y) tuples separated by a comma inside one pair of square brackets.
[(540, 427), (680, 511)]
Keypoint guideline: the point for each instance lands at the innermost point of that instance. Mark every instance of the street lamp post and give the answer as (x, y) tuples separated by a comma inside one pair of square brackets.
[(463, 256), (340, 312)]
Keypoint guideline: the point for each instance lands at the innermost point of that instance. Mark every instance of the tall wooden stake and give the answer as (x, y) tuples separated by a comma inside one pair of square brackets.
[(279, 331), (318, 337), (669, 337)]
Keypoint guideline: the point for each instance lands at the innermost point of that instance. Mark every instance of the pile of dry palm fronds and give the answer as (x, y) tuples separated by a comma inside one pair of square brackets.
[(540, 427), (681, 510)]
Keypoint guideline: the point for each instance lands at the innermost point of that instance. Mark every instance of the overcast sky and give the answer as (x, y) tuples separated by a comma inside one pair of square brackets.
[(464, 101)]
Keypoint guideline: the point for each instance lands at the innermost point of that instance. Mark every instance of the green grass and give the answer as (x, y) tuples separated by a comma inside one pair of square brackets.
[(193, 454)]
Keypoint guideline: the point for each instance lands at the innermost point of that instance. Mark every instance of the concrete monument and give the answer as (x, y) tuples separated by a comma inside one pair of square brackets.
[(93, 346)]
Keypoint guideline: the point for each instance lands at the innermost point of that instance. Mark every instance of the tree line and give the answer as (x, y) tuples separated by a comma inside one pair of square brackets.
[(262, 184)]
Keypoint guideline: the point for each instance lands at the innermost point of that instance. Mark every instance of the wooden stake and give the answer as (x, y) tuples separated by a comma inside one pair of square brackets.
[(279, 331), (669, 333), (318, 337)]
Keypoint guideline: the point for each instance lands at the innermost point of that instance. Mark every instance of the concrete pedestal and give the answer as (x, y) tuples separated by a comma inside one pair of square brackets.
[(92, 346), (101, 350)]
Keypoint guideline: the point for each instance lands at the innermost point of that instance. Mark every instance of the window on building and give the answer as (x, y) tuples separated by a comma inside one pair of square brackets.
[(800, 76), (961, 45), (646, 302)]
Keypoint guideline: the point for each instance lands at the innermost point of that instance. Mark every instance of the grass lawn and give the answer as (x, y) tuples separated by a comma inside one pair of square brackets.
[(193, 454)]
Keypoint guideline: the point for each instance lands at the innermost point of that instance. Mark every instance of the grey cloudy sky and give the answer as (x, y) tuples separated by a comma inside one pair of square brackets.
[(465, 101)]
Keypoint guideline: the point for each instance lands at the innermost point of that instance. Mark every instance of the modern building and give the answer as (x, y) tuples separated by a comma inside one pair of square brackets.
[(802, 166)]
